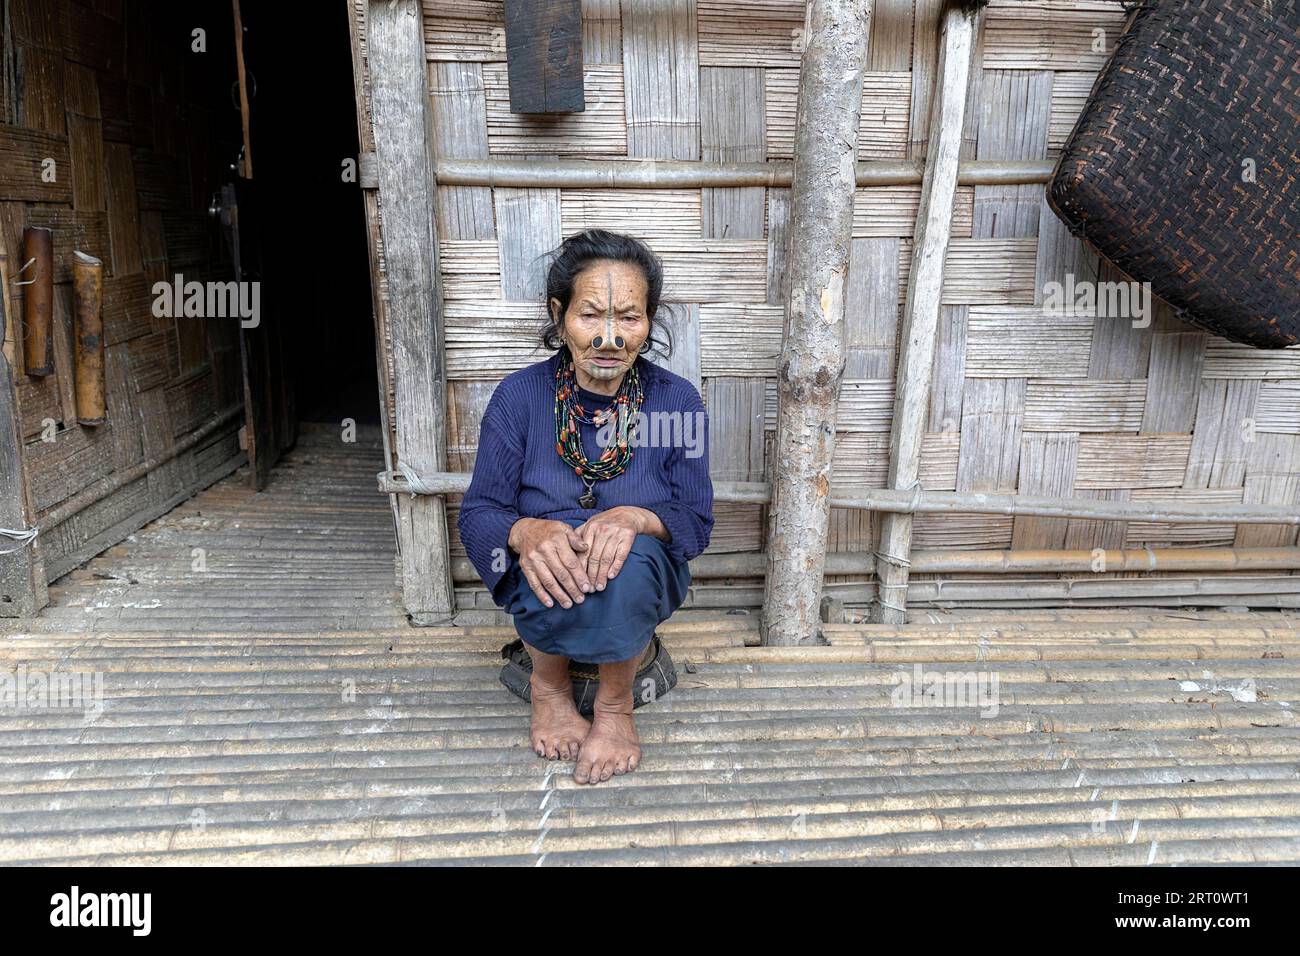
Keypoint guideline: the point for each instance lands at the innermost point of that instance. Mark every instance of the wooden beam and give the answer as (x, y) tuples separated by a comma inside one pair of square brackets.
[(404, 159), (811, 364), (924, 297), (544, 56)]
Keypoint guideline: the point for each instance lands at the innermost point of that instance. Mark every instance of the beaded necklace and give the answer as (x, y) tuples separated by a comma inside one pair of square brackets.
[(625, 405)]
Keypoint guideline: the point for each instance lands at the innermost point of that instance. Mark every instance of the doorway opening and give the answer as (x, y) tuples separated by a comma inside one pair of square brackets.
[(316, 267)]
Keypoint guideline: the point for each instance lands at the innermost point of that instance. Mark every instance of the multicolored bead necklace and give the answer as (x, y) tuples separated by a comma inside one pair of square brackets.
[(625, 404)]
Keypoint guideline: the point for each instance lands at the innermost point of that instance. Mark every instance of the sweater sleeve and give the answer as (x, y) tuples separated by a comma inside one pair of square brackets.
[(489, 508), (689, 516)]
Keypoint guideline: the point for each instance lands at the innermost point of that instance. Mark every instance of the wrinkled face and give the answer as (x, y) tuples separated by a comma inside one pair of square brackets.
[(606, 323)]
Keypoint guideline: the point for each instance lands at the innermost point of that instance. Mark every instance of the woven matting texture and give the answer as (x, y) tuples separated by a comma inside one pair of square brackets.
[(1184, 168)]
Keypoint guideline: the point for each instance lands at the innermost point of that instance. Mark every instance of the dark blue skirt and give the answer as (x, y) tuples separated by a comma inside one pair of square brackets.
[(610, 625)]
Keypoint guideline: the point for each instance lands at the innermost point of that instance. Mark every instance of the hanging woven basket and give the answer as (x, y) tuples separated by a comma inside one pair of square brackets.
[(1184, 168)]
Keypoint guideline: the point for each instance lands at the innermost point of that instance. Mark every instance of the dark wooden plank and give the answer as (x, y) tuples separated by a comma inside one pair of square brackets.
[(544, 56)]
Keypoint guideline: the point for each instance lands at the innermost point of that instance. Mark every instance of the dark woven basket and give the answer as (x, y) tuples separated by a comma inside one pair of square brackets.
[(1152, 176)]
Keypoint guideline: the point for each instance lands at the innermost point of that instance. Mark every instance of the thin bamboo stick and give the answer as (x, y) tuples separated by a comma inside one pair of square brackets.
[(683, 174)]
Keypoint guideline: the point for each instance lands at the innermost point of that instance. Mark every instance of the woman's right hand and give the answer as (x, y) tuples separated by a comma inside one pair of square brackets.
[(548, 555)]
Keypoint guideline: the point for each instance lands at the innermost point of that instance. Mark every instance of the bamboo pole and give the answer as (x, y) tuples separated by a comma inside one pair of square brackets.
[(685, 174), (955, 561), (37, 280), (811, 364), (935, 502), (924, 295), (88, 288)]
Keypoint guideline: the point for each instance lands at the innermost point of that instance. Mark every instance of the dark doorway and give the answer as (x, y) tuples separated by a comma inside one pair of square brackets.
[(315, 262)]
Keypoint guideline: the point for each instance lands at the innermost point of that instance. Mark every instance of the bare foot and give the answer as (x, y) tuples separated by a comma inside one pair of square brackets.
[(611, 748), (557, 730)]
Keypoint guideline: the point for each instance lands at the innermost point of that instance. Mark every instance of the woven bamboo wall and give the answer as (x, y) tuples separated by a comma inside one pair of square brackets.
[(90, 85), (1085, 407)]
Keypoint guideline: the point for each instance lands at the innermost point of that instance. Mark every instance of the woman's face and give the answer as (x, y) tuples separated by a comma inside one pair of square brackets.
[(606, 323)]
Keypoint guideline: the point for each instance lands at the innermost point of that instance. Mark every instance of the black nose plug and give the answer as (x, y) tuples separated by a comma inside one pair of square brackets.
[(618, 342)]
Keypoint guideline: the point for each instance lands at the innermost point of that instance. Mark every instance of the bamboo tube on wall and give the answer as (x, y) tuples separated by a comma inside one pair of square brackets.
[(37, 281), (88, 288)]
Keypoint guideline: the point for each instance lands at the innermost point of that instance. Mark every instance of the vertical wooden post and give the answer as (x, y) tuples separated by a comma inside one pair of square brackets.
[(404, 162), (812, 352), (22, 572), (924, 295)]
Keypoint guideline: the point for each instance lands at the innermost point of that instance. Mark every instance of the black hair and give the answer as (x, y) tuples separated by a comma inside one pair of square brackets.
[(578, 252)]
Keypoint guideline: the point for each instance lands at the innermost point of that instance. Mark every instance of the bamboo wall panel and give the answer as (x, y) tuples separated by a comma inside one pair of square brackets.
[(601, 130), (661, 63), (1132, 461), (1086, 405), (1013, 114), (1048, 465), (661, 213), (1065, 35), (1158, 534), (871, 314), (1278, 408), (882, 132), (766, 33), (98, 146), (1272, 477), (458, 99), (729, 135)]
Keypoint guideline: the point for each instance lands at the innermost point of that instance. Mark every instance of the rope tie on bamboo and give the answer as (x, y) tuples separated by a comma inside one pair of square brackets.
[(24, 538), (26, 265), (896, 560), (415, 484)]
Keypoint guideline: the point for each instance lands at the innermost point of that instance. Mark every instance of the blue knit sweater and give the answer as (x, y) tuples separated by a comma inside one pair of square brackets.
[(519, 474)]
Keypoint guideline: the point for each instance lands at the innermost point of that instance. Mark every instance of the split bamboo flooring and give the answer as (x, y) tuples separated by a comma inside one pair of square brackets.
[(277, 709)]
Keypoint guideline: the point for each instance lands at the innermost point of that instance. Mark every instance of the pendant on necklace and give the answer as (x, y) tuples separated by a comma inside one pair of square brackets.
[(589, 499)]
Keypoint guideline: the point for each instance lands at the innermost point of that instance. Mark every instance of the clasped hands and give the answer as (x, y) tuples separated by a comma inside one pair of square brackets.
[(561, 563)]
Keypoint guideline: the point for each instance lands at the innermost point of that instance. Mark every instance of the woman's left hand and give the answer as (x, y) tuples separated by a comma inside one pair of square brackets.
[(609, 536)]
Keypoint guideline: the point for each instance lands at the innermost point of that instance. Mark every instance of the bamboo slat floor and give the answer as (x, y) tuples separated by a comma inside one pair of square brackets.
[(276, 709)]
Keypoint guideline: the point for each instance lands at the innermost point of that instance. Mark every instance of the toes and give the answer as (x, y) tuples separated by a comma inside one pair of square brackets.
[(582, 772)]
